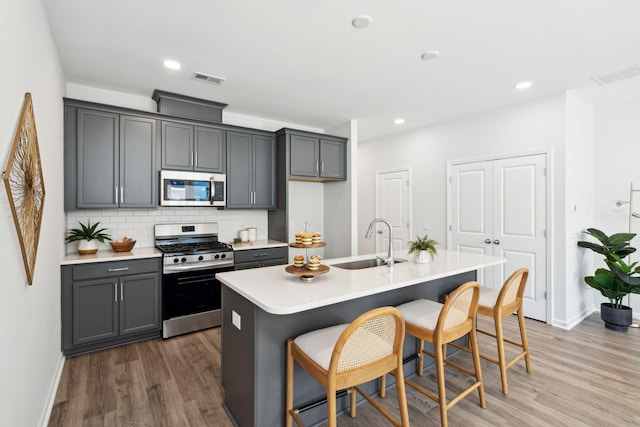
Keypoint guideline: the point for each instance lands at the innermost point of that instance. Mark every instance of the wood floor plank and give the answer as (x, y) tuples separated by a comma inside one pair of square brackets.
[(587, 376)]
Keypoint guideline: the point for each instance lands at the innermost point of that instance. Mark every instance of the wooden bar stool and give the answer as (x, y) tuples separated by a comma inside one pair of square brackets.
[(498, 304), (441, 324), (346, 355)]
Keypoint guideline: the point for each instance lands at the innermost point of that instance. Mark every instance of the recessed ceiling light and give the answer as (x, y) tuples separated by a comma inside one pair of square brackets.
[(429, 55), (361, 21), (398, 121), (171, 64), (523, 85)]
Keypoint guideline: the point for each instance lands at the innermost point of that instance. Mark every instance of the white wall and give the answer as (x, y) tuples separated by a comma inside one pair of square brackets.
[(31, 359), (617, 150), (537, 125), (578, 210)]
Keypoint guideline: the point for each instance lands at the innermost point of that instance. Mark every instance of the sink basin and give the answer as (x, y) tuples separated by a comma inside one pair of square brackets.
[(365, 263)]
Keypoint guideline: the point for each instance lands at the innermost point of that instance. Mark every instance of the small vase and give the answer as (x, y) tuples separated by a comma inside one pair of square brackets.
[(422, 257), (86, 247)]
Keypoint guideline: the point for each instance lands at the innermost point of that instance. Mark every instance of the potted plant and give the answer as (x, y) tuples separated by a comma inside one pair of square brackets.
[(422, 249), (617, 280), (87, 237)]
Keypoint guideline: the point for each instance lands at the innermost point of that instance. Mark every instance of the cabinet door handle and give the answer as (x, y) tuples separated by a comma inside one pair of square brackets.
[(121, 194), (116, 194), (111, 270), (261, 255), (196, 159), (488, 241), (121, 291), (496, 242), (191, 159), (321, 167), (115, 292)]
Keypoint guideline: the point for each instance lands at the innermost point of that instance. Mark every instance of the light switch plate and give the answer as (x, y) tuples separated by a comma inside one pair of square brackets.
[(236, 319)]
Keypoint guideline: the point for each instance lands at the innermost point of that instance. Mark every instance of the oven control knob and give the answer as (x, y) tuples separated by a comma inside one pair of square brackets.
[(200, 258), (223, 256), (183, 260), (175, 260), (217, 257)]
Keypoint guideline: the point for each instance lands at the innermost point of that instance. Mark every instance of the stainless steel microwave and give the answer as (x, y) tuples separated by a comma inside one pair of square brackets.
[(180, 188)]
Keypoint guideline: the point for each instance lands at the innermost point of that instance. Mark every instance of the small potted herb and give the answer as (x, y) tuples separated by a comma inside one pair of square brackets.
[(423, 249), (87, 237)]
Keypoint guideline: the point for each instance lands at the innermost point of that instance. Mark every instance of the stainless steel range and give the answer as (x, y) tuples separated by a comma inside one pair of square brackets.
[(191, 294)]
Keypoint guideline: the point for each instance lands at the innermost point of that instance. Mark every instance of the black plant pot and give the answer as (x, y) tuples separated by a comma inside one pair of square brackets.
[(617, 319)]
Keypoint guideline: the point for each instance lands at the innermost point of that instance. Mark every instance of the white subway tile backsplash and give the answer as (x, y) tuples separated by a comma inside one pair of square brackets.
[(138, 223)]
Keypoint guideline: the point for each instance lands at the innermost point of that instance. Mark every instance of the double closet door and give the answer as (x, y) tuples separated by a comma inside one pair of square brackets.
[(498, 207)]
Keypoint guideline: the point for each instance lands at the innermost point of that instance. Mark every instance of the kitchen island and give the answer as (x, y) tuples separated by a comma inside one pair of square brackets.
[(262, 308)]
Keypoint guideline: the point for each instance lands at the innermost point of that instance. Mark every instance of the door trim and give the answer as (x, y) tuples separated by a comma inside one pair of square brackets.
[(549, 213)]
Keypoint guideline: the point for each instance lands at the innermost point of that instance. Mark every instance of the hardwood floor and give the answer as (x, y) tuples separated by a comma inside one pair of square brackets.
[(589, 376)]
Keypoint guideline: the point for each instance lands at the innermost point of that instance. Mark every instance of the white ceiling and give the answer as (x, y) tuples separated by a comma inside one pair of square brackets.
[(301, 61)]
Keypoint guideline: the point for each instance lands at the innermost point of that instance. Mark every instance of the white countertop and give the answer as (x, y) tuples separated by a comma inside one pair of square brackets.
[(109, 255), (278, 292), (258, 244)]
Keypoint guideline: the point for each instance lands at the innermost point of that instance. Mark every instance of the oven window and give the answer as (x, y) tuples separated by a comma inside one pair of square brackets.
[(186, 190)]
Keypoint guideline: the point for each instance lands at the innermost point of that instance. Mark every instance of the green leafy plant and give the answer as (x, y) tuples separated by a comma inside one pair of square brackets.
[(620, 278), (423, 244), (87, 232)]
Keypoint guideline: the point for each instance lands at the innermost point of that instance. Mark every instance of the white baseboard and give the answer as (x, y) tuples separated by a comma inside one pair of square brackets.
[(569, 324), (46, 412)]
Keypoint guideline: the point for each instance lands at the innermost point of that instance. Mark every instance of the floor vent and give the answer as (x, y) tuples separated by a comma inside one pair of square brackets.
[(616, 76), (208, 78)]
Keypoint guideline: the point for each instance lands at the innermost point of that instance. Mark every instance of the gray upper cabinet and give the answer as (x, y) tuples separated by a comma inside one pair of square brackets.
[(188, 147), (251, 171), (110, 160), (316, 157), (109, 303)]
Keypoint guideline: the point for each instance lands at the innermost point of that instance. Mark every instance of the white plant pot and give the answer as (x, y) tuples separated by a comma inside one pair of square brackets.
[(422, 257), (86, 247)]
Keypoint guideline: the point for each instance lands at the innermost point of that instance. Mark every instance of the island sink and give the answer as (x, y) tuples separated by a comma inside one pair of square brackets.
[(365, 263)]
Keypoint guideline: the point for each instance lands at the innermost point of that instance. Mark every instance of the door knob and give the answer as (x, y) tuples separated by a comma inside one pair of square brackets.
[(488, 241), (379, 231), (496, 242)]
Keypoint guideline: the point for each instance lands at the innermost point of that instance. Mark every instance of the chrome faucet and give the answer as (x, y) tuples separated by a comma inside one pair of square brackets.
[(389, 260)]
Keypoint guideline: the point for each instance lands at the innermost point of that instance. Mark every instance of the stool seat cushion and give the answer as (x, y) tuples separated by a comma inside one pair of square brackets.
[(421, 312), (488, 296), (319, 344)]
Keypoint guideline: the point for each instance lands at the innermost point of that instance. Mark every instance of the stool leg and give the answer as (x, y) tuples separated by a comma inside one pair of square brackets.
[(402, 394), (475, 351), (502, 362), (331, 405), (420, 357), (442, 393), (352, 393), (289, 419), (383, 385), (523, 338)]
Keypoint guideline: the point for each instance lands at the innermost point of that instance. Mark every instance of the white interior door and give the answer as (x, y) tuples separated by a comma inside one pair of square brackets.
[(499, 208), (394, 205)]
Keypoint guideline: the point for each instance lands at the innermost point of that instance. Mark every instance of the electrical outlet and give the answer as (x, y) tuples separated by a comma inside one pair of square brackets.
[(236, 319)]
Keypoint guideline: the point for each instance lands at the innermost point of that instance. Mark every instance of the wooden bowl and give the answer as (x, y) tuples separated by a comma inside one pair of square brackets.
[(125, 246)]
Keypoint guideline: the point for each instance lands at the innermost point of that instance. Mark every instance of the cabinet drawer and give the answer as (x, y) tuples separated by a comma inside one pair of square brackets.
[(260, 254), (115, 268)]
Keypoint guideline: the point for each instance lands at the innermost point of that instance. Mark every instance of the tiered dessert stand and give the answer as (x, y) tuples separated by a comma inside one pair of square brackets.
[(305, 274)]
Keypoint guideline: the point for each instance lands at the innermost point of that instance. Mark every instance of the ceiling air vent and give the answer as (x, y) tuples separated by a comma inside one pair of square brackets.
[(617, 75), (208, 78)]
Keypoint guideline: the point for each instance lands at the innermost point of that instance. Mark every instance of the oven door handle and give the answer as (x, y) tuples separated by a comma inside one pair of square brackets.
[(176, 268)]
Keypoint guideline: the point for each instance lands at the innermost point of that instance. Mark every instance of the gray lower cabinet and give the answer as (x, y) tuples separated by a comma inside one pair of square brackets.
[(193, 148), (110, 159), (110, 303), (251, 171), (255, 258), (317, 157)]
